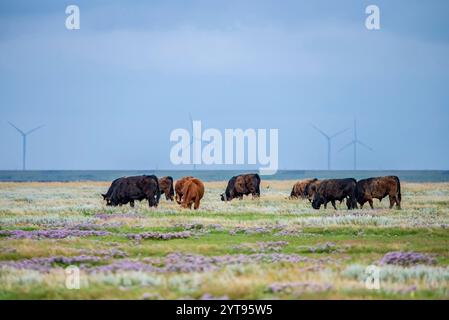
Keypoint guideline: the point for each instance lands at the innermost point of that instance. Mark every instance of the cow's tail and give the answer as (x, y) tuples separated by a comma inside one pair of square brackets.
[(258, 184), (158, 190), (172, 190), (354, 195)]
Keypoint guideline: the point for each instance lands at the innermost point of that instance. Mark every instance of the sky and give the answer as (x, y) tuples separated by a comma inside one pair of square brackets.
[(111, 93)]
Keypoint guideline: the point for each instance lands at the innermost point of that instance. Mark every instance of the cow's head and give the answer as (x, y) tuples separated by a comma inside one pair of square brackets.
[(153, 201), (108, 200), (317, 201), (111, 202), (225, 197), (351, 203)]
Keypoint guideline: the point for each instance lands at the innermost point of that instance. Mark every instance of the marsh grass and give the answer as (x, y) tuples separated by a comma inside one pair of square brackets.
[(338, 244)]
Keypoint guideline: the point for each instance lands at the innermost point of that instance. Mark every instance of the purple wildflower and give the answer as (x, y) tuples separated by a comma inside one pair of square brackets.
[(51, 233), (159, 235), (46, 264), (407, 258)]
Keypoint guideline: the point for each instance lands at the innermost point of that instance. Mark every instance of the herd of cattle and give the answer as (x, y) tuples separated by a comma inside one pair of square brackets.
[(189, 191)]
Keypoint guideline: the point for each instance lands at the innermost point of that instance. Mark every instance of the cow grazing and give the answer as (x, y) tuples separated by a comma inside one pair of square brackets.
[(193, 192), (166, 187), (335, 190), (179, 186), (298, 190), (108, 194), (379, 188), (129, 189), (241, 185)]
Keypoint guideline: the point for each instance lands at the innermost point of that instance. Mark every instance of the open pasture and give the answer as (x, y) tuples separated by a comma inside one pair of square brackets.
[(272, 247)]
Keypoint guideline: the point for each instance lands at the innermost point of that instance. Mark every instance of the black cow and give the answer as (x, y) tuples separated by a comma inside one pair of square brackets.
[(107, 195), (335, 190), (129, 189), (241, 185)]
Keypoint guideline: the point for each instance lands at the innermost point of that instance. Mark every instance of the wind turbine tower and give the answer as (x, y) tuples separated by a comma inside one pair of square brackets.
[(329, 142), (24, 142), (191, 137), (354, 143)]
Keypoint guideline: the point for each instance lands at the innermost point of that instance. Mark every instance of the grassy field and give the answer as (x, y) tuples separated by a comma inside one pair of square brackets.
[(250, 249)]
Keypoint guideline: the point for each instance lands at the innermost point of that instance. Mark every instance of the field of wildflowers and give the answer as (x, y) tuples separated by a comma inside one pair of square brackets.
[(272, 247)]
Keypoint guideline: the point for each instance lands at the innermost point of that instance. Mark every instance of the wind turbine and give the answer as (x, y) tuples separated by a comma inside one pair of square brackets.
[(191, 137), (355, 142), (329, 141), (24, 142)]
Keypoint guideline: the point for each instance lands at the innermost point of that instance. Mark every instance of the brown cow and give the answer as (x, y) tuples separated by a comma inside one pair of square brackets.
[(166, 187), (179, 186), (379, 188), (193, 192), (298, 190)]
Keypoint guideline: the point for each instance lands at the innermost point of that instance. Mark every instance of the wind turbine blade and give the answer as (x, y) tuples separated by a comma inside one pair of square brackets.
[(319, 130), (35, 129), (346, 146), (339, 132), (191, 128), (364, 145), (21, 132)]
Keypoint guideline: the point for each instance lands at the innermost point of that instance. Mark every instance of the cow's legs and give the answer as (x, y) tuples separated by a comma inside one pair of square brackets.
[(333, 204), (398, 203), (370, 201), (197, 203), (131, 203), (392, 201)]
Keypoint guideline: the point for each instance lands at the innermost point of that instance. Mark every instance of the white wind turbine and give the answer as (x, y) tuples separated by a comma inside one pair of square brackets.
[(354, 143), (24, 142), (192, 138), (329, 142)]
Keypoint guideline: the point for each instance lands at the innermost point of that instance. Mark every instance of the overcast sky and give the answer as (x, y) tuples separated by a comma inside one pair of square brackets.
[(111, 92)]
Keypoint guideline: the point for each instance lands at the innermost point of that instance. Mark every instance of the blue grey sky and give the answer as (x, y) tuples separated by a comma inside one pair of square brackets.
[(111, 92)]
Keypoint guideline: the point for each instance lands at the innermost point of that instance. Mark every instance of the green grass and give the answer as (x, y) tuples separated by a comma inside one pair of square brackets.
[(355, 239)]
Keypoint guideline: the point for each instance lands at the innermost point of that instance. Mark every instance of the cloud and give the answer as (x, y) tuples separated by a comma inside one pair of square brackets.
[(318, 50)]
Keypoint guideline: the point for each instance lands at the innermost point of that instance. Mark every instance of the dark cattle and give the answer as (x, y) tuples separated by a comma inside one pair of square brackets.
[(379, 188), (193, 192), (241, 185), (298, 190), (166, 187), (129, 189), (335, 190), (107, 195), (179, 186)]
